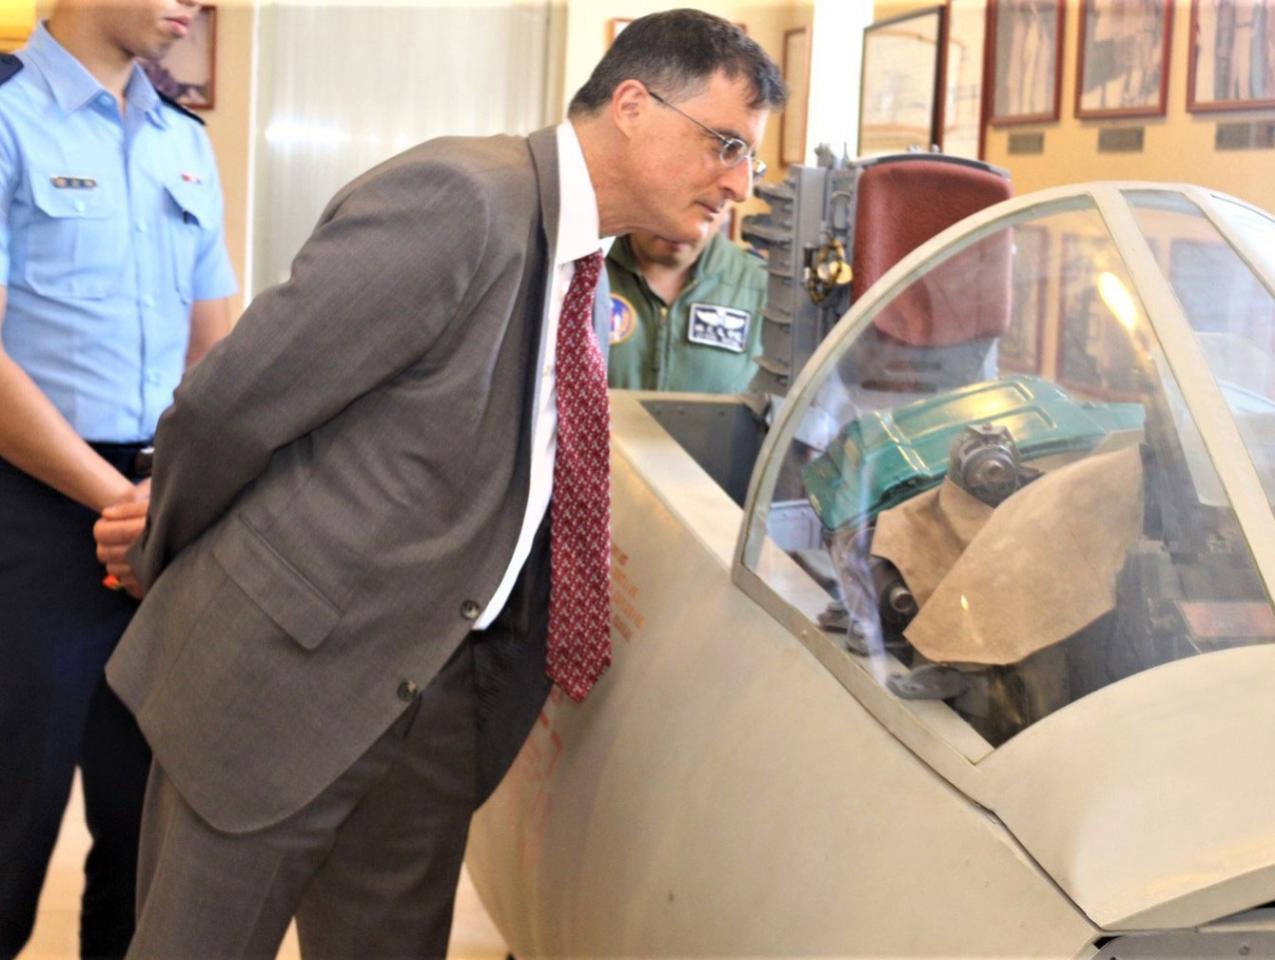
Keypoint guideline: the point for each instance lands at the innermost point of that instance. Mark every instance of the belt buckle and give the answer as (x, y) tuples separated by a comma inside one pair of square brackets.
[(143, 462)]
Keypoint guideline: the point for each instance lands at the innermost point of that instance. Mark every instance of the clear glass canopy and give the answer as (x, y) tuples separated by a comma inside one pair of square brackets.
[(989, 486)]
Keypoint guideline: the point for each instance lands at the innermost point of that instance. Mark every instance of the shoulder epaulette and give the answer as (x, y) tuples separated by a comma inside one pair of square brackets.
[(180, 109), (10, 67)]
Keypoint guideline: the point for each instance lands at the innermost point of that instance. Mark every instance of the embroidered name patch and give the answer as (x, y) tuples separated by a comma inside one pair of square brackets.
[(723, 327), (623, 319)]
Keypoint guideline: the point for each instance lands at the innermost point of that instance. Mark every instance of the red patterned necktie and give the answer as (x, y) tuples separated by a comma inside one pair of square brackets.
[(579, 644)]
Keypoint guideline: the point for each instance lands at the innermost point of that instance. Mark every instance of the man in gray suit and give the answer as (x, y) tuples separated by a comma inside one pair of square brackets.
[(347, 553)]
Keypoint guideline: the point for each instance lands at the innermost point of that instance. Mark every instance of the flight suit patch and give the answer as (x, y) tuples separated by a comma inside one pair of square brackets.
[(722, 327), (623, 319)]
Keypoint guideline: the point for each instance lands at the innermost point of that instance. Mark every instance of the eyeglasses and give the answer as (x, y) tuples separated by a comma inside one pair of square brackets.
[(733, 152)]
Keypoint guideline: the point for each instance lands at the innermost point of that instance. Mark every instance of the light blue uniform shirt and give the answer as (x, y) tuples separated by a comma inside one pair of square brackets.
[(110, 227)]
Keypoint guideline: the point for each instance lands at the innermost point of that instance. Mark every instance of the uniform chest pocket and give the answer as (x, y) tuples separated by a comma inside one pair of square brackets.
[(76, 240), (191, 211)]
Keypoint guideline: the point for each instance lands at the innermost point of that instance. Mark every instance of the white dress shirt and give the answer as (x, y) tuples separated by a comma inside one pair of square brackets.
[(577, 237)]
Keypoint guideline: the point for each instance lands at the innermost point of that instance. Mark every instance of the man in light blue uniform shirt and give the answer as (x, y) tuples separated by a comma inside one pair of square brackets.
[(113, 279)]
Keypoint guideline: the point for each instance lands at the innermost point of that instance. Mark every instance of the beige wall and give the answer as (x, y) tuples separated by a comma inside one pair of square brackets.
[(17, 19)]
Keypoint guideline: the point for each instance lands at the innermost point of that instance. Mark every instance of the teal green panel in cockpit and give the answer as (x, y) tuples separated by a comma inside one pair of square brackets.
[(888, 456)]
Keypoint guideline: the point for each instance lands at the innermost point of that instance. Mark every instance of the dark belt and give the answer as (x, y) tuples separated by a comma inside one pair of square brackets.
[(132, 459)]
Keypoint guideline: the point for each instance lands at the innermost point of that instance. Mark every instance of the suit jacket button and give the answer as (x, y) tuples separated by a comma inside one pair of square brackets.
[(470, 610), (407, 690)]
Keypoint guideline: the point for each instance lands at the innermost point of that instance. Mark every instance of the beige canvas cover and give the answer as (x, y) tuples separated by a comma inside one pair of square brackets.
[(1035, 570), (925, 536)]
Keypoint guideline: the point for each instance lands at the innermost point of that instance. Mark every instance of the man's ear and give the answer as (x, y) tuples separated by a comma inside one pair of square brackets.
[(629, 102)]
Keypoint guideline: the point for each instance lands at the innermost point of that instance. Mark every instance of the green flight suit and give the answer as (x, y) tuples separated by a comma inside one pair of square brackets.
[(705, 341)]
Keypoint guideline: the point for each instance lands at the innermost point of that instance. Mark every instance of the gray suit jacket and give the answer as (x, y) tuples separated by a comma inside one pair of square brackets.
[(339, 485)]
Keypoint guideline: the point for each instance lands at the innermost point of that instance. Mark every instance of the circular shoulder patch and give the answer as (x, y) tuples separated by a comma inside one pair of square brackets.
[(623, 319)]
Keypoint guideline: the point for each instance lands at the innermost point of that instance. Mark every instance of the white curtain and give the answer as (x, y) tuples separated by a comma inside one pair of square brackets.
[(340, 88)]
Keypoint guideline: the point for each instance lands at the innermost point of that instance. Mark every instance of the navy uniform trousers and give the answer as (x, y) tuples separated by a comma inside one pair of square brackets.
[(58, 626)]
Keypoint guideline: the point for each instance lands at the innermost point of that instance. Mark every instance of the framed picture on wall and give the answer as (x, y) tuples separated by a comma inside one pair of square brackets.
[(899, 103), (964, 65), (1124, 58), (1025, 39), (1231, 64), (792, 122), (188, 72)]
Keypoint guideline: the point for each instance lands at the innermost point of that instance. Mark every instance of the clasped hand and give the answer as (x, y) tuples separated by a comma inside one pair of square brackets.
[(117, 530)]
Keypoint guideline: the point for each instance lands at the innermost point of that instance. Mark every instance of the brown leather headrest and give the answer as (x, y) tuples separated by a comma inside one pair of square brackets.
[(901, 204)]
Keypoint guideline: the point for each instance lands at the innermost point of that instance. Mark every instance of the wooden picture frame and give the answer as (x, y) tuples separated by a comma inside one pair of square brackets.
[(900, 102), (792, 122), (1025, 51), (187, 73), (963, 113), (1224, 34), (1125, 50)]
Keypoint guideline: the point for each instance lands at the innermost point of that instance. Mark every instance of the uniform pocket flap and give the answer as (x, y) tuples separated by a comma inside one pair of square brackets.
[(81, 198), (193, 200), (277, 587)]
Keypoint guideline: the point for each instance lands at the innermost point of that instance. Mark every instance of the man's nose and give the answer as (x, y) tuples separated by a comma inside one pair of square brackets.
[(738, 180)]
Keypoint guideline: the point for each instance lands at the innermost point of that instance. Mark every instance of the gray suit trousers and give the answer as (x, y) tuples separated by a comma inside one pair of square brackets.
[(369, 867)]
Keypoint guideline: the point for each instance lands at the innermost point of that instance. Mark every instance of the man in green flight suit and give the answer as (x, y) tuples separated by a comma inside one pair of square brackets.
[(684, 316)]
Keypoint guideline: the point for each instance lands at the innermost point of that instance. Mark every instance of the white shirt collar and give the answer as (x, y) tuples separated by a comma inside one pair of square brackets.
[(578, 212)]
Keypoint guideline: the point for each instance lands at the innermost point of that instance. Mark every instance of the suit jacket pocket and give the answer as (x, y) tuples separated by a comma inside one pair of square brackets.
[(275, 585)]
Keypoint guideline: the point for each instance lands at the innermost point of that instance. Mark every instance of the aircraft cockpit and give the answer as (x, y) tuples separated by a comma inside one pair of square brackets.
[(1036, 464)]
